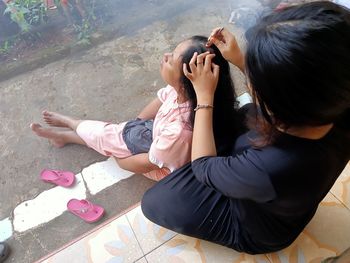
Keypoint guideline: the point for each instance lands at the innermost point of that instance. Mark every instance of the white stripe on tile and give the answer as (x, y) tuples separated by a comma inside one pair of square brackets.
[(5, 229), (52, 203), (47, 206), (101, 175)]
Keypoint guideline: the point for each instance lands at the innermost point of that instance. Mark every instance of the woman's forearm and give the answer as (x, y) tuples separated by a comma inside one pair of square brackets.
[(204, 77), (203, 143), (241, 63)]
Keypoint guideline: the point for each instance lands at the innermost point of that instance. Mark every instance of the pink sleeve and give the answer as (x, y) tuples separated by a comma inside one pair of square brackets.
[(164, 93), (172, 148)]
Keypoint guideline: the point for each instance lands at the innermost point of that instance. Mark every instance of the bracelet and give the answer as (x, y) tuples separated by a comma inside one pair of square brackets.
[(203, 106)]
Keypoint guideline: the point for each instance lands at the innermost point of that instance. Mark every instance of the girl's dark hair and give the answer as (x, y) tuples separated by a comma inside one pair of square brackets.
[(298, 64), (224, 101)]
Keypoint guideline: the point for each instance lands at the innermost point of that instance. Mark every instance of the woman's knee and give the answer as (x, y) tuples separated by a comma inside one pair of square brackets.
[(159, 206), (164, 209), (148, 205)]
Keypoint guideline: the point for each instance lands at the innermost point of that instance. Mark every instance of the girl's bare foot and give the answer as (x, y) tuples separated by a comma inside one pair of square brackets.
[(51, 134), (56, 119)]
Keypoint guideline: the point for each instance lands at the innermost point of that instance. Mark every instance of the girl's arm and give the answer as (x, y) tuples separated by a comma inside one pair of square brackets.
[(150, 111), (138, 163), (204, 78)]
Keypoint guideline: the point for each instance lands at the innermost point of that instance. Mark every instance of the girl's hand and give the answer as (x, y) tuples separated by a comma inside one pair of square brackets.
[(227, 44), (204, 76)]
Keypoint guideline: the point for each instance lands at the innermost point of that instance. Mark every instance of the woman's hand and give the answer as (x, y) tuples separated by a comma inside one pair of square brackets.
[(228, 46), (204, 76)]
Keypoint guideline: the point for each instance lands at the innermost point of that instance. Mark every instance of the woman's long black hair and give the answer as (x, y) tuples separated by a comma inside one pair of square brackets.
[(224, 113), (298, 64)]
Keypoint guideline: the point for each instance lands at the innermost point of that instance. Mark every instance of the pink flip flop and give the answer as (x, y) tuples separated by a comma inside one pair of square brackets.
[(86, 210), (61, 178)]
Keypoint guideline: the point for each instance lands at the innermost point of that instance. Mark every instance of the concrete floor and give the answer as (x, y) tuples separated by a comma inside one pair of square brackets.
[(111, 82)]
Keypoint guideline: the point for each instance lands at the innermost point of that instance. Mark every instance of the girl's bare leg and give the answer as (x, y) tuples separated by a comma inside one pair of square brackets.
[(80, 8), (65, 7), (50, 4), (59, 120), (58, 138)]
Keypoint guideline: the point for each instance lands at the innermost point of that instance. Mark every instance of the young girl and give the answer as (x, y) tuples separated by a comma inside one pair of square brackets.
[(159, 140)]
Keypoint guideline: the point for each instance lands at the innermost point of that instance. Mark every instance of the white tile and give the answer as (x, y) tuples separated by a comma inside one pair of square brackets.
[(149, 235), (5, 229), (101, 175), (47, 206)]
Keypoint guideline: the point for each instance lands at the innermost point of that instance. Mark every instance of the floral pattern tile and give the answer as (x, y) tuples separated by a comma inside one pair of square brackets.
[(148, 234), (305, 249), (341, 188), (183, 249), (113, 243), (133, 238), (326, 235), (76, 253), (141, 260), (117, 243)]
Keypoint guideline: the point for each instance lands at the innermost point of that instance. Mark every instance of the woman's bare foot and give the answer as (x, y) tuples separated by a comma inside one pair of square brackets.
[(51, 134), (57, 120)]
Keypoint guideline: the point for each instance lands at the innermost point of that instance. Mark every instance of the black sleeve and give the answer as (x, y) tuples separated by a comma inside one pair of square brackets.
[(241, 176)]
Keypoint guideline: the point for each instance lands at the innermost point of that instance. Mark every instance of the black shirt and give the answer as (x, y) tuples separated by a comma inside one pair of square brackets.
[(275, 190)]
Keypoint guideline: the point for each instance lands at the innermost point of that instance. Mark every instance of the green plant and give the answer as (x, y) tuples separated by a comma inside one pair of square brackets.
[(86, 25), (36, 14), (84, 31), (5, 47), (26, 13), (17, 13)]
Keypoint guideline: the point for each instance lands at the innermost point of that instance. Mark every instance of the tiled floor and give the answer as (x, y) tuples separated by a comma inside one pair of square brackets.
[(132, 238)]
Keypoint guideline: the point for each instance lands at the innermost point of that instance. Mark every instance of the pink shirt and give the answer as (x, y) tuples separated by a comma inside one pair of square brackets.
[(172, 134)]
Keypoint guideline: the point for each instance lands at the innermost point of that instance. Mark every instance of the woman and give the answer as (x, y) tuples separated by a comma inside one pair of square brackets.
[(260, 198)]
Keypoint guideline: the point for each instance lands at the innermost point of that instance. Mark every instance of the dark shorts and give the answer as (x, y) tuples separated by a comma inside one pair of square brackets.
[(137, 135)]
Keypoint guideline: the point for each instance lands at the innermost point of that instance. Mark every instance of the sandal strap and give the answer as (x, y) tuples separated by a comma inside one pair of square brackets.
[(90, 207), (59, 176)]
